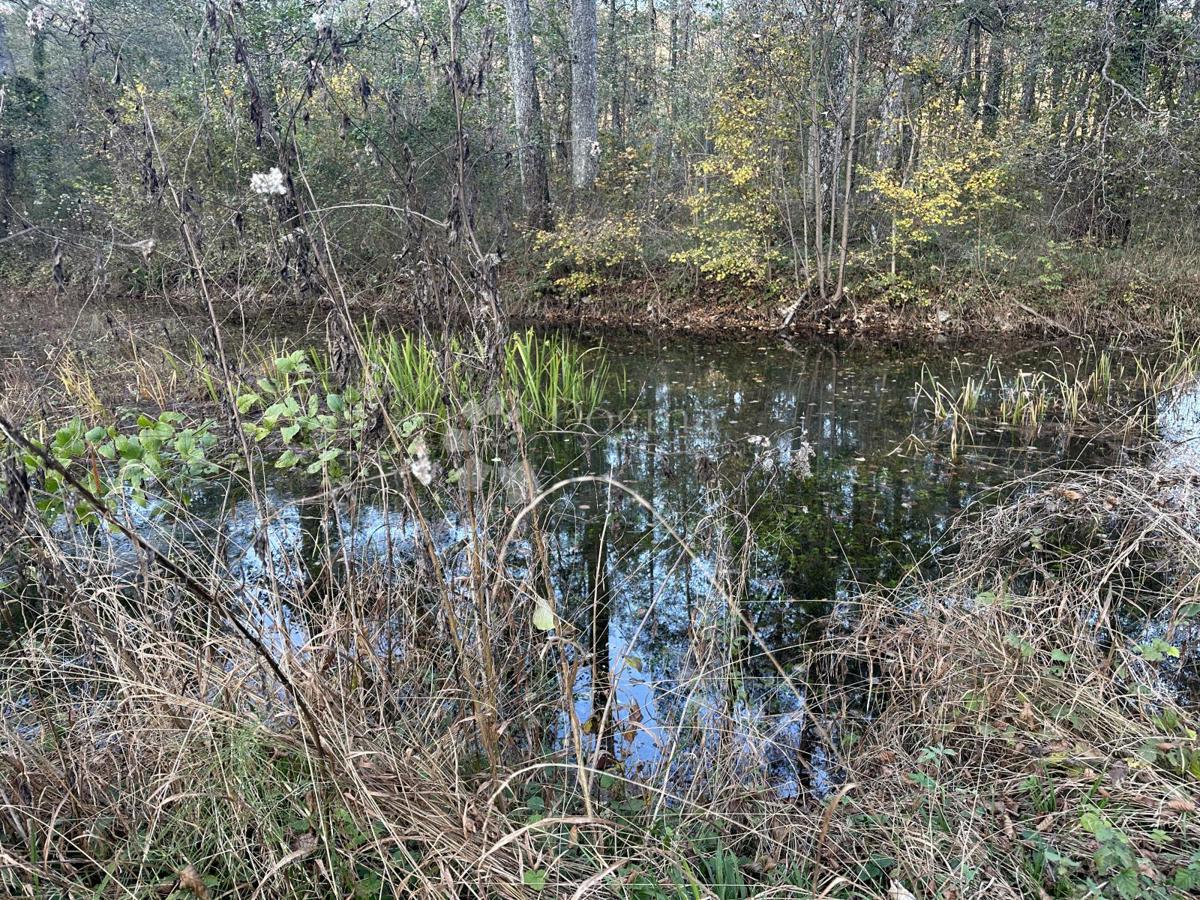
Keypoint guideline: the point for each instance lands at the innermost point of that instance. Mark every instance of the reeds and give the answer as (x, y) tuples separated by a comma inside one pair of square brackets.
[(1099, 391), (554, 380)]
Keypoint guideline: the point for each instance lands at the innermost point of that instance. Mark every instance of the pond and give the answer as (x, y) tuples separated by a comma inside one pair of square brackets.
[(779, 477)]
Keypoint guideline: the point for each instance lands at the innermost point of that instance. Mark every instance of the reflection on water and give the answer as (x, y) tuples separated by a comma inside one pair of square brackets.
[(789, 473), (1178, 414), (792, 469)]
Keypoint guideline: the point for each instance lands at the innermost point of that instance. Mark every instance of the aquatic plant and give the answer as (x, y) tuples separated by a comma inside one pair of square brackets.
[(297, 415), (118, 462), (554, 380), (1102, 391), (410, 367)]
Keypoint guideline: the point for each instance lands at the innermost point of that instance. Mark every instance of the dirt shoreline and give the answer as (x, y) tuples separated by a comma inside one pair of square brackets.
[(968, 313), (35, 322)]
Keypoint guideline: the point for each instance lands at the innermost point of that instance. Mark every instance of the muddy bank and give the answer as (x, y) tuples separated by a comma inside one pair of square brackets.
[(36, 324), (963, 312)]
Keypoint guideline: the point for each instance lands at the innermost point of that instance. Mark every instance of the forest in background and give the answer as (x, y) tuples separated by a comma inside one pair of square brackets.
[(807, 155)]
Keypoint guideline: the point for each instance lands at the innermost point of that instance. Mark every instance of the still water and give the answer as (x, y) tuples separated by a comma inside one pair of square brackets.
[(782, 477), (791, 473)]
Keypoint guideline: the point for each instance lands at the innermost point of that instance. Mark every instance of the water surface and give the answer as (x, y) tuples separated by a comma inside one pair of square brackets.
[(791, 473), (770, 476)]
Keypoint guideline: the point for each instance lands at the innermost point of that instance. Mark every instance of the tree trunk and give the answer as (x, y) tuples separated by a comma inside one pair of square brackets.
[(1033, 67), (815, 179), (856, 65), (887, 151), (6, 59), (585, 146), (614, 71), (531, 147), (993, 93), (1056, 101), (974, 52), (8, 153)]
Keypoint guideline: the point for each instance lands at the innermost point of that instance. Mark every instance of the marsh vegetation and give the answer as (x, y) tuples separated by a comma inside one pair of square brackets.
[(342, 556), (623, 619)]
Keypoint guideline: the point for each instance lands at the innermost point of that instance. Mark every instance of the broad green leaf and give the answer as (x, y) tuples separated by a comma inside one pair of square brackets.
[(287, 460)]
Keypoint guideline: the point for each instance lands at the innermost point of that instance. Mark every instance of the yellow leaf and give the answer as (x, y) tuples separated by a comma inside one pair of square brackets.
[(543, 615)]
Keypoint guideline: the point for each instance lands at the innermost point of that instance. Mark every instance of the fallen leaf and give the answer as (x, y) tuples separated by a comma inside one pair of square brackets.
[(632, 719)]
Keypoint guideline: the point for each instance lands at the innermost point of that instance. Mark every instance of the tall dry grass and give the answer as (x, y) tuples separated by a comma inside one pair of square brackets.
[(323, 722)]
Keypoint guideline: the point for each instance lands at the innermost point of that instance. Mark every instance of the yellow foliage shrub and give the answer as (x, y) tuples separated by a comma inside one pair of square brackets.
[(947, 192), (592, 247), (733, 210)]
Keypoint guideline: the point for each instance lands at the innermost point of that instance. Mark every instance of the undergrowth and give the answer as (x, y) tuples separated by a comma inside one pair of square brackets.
[(184, 712)]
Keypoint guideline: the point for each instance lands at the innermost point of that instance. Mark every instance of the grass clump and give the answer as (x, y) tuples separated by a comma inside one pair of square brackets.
[(1031, 736), (1106, 391)]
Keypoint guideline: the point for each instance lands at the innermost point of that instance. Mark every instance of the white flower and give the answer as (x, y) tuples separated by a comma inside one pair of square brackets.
[(268, 182)]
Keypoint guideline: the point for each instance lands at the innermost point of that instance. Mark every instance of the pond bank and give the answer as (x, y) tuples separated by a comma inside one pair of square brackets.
[(962, 313)]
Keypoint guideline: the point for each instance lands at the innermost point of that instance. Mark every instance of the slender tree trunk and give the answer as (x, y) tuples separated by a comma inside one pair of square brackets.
[(1029, 81), (856, 66), (887, 150), (815, 179), (614, 71), (6, 59), (650, 56), (585, 135), (1056, 101), (994, 91), (531, 146), (975, 84), (8, 153)]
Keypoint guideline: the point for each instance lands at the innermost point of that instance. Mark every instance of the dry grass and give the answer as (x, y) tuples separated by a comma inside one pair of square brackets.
[(1009, 730), (1020, 699)]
